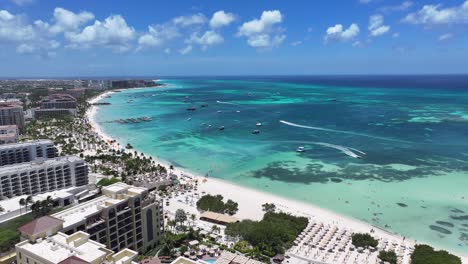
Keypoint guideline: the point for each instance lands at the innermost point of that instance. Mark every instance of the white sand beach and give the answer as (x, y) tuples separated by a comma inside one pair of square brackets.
[(250, 201)]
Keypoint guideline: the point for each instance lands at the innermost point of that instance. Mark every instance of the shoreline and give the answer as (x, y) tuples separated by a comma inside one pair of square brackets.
[(250, 200)]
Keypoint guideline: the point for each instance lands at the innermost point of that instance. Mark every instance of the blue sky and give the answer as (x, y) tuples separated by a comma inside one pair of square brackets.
[(186, 37)]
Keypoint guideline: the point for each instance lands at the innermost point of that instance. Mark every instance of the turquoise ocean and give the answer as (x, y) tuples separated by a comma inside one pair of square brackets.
[(390, 151)]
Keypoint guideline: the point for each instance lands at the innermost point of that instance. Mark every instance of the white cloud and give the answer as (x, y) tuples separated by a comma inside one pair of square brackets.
[(261, 33), (185, 21), (265, 40), (221, 19), (445, 37), (186, 50), (396, 35), (65, 20), (158, 35), (376, 26), (296, 43), (167, 50), (209, 38), (437, 15), (113, 32), (22, 2), (401, 7), (13, 28), (337, 32), (25, 49)]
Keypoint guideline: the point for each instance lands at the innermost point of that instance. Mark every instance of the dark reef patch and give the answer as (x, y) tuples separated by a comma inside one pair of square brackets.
[(336, 180), (402, 205), (440, 229), (446, 224), (461, 217), (457, 211)]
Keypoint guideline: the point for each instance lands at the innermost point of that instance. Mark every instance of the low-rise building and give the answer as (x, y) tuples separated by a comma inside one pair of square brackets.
[(123, 217), (27, 151), (42, 176), (44, 244), (9, 134)]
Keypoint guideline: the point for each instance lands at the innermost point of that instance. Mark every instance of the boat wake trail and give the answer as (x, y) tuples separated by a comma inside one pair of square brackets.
[(343, 149), (340, 131), (221, 102)]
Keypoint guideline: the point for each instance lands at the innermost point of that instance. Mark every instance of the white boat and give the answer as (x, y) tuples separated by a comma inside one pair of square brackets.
[(221, 128), (300, 149), (259, 124)]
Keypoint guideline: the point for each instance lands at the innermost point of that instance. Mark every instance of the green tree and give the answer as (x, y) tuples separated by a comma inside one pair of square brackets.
[(424, 254), (22, 202), (180, 216), (388, 256), (269, 207), (231, 207), (364, 240)]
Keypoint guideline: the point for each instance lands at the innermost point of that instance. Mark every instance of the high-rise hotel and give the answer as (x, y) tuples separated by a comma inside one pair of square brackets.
[(123, 217)]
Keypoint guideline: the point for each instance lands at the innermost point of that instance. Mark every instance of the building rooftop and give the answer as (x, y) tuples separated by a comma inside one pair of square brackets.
[(40, 225), (112, 194), (59, 98), (60, 247), (10, 105), (8, 127), (37, 164), (73, 260), (81, 211), (26, 144)]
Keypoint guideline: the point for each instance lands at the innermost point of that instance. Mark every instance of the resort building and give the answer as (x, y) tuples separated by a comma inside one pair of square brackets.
[(53, 113), (75, 92), (56, 106), (27, 152), (44, 244), (58, 101), (9, 134), (123, 217), (42, 176), (12, 114)]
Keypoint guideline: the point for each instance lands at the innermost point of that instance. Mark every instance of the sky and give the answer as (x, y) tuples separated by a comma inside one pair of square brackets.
[(58, 38)]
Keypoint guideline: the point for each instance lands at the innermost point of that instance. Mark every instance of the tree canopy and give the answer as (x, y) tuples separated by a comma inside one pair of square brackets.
[(107, 182), (424, 254), (214, 203), (364, 240), (388, 256), (272, 235)]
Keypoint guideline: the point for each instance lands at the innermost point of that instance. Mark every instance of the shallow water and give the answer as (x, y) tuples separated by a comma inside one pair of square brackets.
[(412, 178)]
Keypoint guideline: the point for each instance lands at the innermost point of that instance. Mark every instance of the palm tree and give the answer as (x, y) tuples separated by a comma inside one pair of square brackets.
[(22, 202), (29, 200), (193, 217)]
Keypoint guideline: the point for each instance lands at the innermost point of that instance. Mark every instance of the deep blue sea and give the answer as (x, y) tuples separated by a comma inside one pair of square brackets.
[(388, 150)]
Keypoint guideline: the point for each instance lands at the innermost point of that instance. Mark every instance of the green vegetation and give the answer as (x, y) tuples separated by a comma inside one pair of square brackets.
[(269, 207), (107, 182), (41, 208), (9, 234), (424, 254), (388, 256), (214, 203), (364, 240), (272, 235), (180, 216)]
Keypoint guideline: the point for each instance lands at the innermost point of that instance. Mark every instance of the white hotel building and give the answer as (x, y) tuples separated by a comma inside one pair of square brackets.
[(26, 152), (42, 176)]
